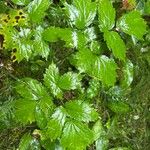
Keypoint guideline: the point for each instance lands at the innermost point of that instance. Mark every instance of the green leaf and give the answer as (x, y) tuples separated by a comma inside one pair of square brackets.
[(76, 135), (24, 111), (40, 118), (21, 2), (35, 144), (36, 9), (116, 44), (69, 81), (93, 89), (25, 142), (22, 44), (119, 107), (40, 46), (56, 123), (147, 8), (132, 24), (102, 68), (51, 79), (127, 74), (81, 13), (106, 15), (32, 89), (98, 130), (81, 111), (72, 38), (102, 144)]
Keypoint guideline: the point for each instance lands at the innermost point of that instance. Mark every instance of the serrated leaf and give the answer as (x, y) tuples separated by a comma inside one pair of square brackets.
[(56, 123), (22, 44), (24, 111), (76, 135), (40, 46), (81, 111), (40, 118), (21, 2), (102, 68), (116, 44), (69, 81), (72, 38), (93, 89), (119, 107), (51, 79), (32, 89), (132, 24), (81, 13), (36, 9), (127, 74), (106, 15), (25, 142)]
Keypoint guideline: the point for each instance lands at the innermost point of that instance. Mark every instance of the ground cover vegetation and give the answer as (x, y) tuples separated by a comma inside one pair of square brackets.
[(74, 74)]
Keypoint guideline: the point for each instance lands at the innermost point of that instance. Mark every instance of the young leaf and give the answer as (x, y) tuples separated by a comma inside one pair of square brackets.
[(51, 79), (24, 111), (69, 81), (25, 142), (81, 111), (81, 13), (106, 15), (76, 135), (102, 68), (56, 123), (132, 24), (116, 44), (36, 9)]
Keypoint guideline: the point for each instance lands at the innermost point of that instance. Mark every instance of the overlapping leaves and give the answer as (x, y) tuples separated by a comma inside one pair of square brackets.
[(100, 67), (132, 24), (81, 13), (66, 124), (34, 101), (58, 83)]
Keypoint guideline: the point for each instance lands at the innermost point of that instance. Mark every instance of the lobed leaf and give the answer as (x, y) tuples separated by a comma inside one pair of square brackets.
[(51, 79), (102, 68), (76, 135), (56, 123), (36, 9), (81, 111), (81, 13)]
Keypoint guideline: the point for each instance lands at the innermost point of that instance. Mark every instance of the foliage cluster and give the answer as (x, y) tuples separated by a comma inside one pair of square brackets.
[(69, 71)]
